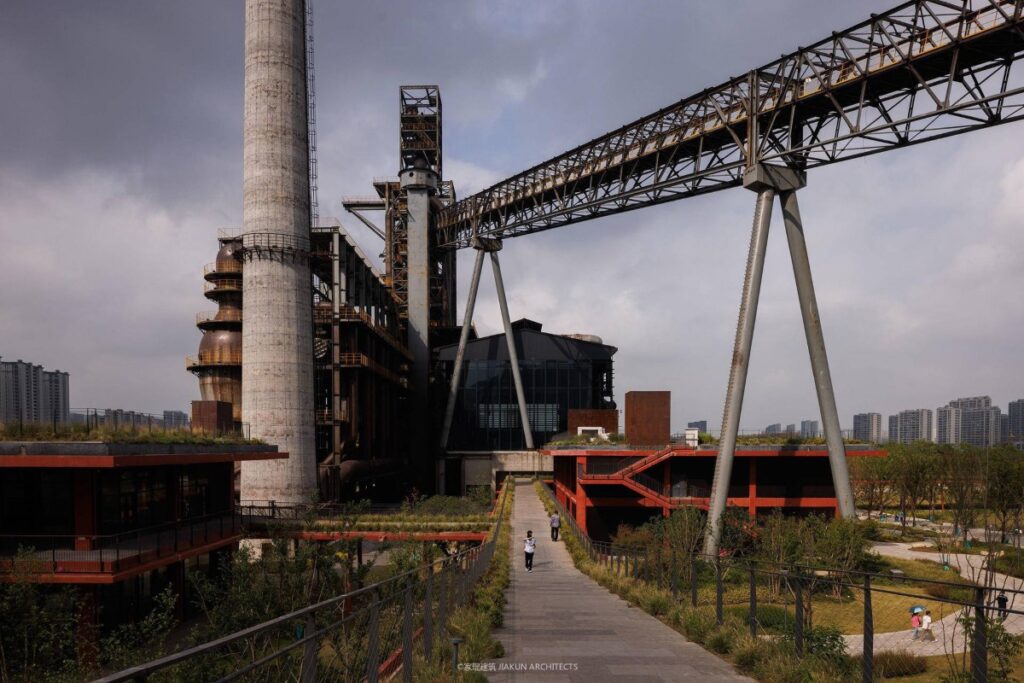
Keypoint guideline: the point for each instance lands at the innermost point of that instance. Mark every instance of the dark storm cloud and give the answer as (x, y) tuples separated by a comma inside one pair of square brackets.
[(120, 157)]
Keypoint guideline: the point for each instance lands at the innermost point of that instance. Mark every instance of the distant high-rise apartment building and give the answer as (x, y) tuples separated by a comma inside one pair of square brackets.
[(176, 419), (1015, 421), (700, 425), (979, 420), (809, 429), (867, 427), (791, 428), (31, 395), (775, 428), (1004, 428), (948, 424), (910, 426)]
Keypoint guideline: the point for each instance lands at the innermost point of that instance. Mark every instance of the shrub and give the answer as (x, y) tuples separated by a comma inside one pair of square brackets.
[(899, 663), (825, 642), (749, 652), (722, 640), (654, 601), (937, 590), (697, 624)]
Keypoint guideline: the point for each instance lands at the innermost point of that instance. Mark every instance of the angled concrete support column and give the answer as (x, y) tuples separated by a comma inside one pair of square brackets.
[(740, 362), (467, 321), (513, 355), (816, 348)]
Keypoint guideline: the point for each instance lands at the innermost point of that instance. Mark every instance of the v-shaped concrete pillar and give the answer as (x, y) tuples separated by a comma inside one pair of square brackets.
[(768, 181), (489, 246)]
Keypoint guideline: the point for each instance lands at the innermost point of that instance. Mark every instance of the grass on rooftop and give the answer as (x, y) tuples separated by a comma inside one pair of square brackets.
[(78, 432)]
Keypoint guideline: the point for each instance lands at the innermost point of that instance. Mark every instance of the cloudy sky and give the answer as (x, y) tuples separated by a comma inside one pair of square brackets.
[(120, 158)]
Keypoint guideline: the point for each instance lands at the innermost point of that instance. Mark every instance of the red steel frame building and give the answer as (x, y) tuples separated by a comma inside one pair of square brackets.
[(120, 521), (603, 487)]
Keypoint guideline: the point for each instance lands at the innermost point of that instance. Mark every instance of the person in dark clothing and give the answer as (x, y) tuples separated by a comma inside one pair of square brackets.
[(556, 522), (529, 547), (1002, 600)]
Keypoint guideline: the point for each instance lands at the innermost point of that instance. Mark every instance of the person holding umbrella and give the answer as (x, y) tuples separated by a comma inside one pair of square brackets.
[(915, 620)]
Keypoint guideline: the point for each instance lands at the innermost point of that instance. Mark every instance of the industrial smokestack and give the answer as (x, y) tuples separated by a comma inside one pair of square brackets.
[(277, 338)]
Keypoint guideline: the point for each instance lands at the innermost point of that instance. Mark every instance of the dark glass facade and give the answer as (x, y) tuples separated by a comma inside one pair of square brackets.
[(558, 373)]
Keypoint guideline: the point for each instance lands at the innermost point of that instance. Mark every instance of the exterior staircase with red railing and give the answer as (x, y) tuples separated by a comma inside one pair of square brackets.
[(633, 475)]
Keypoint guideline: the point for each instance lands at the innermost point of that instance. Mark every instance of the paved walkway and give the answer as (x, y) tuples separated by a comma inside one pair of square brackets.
[(560, 619), (949, 636)]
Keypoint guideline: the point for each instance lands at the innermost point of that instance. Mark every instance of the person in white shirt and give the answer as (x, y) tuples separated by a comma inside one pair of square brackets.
[(530, 546), (926, 626)]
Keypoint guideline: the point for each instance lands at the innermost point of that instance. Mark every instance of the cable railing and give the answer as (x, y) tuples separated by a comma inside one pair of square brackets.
[(367, 634), (109, 553)]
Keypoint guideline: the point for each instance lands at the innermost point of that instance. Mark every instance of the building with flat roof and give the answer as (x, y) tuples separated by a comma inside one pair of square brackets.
[(1015, 420), (867, 427), (120, 521), (979, 420), (948, 424), (701, 425), (911, 425), (31, 395), (774, 428), (809, 429), (603, 487)]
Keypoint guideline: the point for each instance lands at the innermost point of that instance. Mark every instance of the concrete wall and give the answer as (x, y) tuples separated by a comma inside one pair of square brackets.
[(481, 469), (277, 338)]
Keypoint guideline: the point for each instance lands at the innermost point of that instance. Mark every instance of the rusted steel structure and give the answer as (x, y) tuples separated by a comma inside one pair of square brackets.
[(218, 365), (924, 70), (361, 367), (361, 362)]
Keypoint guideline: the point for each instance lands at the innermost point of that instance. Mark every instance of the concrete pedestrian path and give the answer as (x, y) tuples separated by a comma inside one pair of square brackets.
[(560, 625), (949, 635)]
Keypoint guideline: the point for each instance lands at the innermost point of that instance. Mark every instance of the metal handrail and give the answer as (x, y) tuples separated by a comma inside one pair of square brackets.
[(479, 555), (223, 285)]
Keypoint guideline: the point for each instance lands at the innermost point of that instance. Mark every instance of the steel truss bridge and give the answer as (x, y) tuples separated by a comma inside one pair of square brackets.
[(925, 70)]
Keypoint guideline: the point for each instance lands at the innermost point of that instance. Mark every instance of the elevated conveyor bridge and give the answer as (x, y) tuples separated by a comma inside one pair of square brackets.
[(924, 70)]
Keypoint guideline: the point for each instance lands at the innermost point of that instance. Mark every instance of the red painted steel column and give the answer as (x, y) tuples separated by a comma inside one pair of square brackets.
[(581, 498), (752, 489), (85, 508)]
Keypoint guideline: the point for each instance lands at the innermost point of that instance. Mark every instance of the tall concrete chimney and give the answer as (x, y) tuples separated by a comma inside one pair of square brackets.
[(277, 337)]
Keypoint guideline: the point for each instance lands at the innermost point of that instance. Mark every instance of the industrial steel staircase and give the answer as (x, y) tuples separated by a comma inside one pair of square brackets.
[(633, 475)]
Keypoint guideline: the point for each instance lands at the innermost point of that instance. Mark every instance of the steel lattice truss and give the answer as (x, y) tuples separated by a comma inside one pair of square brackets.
[(925, 70)]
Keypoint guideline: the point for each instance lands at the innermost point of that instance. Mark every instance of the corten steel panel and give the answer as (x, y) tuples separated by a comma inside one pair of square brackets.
[(214, 417), (586, 417), (648, 417)]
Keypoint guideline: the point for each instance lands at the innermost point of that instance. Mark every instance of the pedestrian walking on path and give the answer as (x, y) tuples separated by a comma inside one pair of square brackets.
[(1001, 600), (915, 624), (529, 546), (556, 522), (926, 627)]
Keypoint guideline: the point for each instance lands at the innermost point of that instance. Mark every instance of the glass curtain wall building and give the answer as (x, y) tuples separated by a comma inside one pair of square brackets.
[(559, 373)]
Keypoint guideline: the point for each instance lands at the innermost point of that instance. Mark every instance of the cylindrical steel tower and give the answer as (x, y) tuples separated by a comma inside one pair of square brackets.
[(277, 339)]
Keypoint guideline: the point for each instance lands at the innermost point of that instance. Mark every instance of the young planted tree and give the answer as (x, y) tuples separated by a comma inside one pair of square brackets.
[(960, 469), (871, 482), (1003, 489), (912, 466)]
